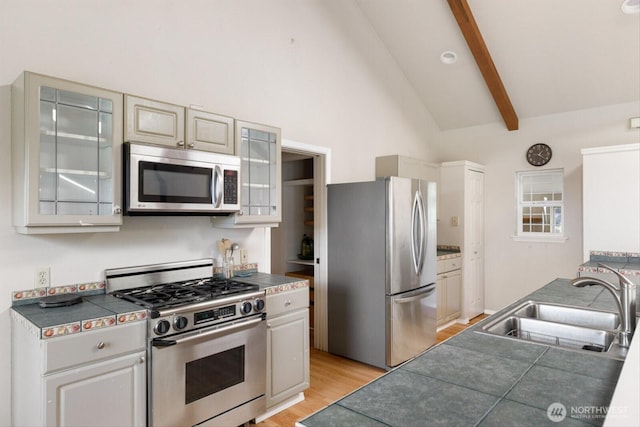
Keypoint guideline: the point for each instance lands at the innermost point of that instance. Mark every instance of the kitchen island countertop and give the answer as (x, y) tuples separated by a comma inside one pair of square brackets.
[(478, 379)]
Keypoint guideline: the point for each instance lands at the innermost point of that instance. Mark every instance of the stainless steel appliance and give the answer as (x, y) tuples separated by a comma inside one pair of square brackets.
[(382, 269), (206, 343), (160, 180)]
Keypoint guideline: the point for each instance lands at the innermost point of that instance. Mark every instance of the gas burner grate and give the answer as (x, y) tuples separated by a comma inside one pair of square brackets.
[(183, 293)]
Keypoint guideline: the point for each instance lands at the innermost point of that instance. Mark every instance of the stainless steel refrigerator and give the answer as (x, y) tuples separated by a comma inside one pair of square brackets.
[(382, 269)]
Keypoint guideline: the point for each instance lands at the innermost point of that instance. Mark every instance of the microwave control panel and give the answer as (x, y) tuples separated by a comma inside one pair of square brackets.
[(230, 187)]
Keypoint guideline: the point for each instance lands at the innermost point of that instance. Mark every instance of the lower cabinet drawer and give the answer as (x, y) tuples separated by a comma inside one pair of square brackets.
[(287, 301), (85, 347)]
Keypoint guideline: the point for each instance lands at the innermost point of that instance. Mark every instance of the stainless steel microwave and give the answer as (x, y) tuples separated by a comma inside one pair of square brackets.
[(170, 181)]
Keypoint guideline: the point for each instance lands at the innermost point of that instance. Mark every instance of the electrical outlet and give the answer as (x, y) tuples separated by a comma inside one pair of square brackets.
[(455, 220), (43, 277), (244, 258)]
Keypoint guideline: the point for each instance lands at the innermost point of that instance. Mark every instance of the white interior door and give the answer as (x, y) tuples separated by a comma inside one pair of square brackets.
[(474, 286)]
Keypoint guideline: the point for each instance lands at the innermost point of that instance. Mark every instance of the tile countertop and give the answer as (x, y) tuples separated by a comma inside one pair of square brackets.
[(446, 252), (102, 310), (274, 283), (479, 379), (94, 312)]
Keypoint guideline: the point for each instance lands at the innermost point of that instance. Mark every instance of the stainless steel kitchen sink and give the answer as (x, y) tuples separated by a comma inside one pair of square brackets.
[(552, 333), (569, 315), (559, 325)]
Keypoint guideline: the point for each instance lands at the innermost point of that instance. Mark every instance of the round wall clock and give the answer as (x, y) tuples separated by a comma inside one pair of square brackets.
[(539, 154)]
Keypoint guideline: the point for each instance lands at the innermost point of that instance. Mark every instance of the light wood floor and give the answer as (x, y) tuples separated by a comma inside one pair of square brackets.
[(333, 377)]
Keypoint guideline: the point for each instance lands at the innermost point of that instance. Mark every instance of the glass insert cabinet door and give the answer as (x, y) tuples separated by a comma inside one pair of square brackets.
[(73, 138), (259, 150)]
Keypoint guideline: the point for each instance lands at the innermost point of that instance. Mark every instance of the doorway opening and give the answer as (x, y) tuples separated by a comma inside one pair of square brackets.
[(298, 245)]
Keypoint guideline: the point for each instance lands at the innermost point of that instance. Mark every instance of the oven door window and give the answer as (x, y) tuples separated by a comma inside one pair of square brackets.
[(162, 182), (214, 373)]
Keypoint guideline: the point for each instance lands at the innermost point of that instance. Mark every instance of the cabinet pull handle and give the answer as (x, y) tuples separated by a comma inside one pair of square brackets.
[(100, 345)]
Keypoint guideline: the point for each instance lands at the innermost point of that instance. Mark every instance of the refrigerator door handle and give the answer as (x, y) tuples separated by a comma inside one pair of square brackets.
[(419, 296), (417, 210)]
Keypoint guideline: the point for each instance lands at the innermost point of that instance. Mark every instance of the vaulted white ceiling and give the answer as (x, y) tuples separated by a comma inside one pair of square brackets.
[(552, 55)]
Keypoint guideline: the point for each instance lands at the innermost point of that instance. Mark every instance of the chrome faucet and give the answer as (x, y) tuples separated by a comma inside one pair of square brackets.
[(625, 298)]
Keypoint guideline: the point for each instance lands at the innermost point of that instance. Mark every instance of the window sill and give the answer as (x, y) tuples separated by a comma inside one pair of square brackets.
[(540, 239)]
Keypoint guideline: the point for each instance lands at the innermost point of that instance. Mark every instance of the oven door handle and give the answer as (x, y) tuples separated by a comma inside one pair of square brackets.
[(157, 342)]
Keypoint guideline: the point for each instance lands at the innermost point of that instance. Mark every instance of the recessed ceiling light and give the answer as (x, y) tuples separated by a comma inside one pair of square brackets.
[(630, 6), (448, 57)]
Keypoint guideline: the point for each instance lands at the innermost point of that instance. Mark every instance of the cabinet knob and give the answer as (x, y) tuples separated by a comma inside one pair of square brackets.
[(287, 303), (117, 210), (191, 145), (141, 360), (180, 144), (101, 345)]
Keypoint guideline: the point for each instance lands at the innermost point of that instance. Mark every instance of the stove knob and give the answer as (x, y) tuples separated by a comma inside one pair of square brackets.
[(162, 327), (246, 308), (180, 322), (258, 304)]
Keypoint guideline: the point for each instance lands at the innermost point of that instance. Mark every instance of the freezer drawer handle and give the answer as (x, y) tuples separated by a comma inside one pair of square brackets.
[(415, 297)]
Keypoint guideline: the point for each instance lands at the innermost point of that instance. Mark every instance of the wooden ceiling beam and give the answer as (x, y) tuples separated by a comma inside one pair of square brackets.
[(471, 33)]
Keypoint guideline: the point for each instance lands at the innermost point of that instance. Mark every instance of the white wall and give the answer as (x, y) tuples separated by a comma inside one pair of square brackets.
[(514, 269), (313, 68)]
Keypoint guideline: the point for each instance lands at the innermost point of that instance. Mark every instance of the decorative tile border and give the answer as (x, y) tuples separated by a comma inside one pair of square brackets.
[(134, 316), (628, 272), (93, 286), (30, 296), (100, 322), (61, 290), (60, 330), (286, 287)]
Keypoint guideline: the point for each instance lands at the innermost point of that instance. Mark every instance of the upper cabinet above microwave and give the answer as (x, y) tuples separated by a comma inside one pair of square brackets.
[(175, 126), (66, 151)]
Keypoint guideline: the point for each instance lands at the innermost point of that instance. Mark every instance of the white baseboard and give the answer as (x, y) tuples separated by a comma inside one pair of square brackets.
[(281, 407), (446, 325)]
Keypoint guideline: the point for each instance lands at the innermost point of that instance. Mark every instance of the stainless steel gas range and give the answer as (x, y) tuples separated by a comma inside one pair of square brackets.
[(206, 343)]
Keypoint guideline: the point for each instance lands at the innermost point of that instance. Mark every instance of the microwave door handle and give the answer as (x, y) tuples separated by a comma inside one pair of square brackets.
[(216, 186)]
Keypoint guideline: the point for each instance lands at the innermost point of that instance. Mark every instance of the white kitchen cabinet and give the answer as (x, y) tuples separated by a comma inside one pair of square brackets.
[(259, 148), (89, 378), (406, 167), (109, 393), (209, 132), (287, 345), (162, 123), (449, 288), (153, 122), (461, 223), (66, 151), (611, 199)]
